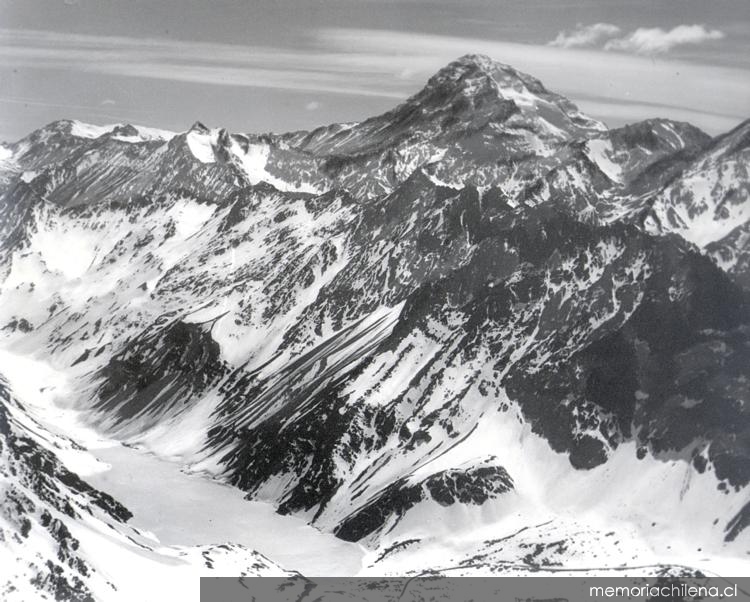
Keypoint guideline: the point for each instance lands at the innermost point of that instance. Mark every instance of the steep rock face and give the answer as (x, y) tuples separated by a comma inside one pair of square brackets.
[(358, 316), (668, 375), (16, 205), (161, 373), (474, 485)]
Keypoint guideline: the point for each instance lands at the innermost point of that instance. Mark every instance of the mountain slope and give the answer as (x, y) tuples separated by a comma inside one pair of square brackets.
[(710, 197), (479, 313)]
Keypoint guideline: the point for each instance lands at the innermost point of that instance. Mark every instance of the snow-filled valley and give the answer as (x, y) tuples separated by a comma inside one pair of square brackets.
[(194, 510)]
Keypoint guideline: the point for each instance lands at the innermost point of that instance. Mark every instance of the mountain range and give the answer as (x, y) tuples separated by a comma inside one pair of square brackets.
[(481, 333)]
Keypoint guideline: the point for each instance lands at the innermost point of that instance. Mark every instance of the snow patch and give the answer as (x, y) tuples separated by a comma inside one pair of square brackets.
[(88, 130), (189, 216), (600, 152), (202, 146), (253, 162), (149, 133)]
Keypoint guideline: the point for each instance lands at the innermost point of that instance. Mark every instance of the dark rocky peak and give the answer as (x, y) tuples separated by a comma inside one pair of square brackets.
[(242, 140), (197, 131), (652, 152), (207, 145), (53, 143), (460, 92), (62, 126), (660, 134), (199, 128), (699, 153), (484, 79), (466, 71), (56, 129), (223, 145), (223, 138), (125, 129), (408, 197)]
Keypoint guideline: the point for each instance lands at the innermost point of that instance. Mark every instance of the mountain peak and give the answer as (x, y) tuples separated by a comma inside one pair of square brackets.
[(124, 129), (481, 81), (471, 94), (482, 61), (472, 67), (199, 128)]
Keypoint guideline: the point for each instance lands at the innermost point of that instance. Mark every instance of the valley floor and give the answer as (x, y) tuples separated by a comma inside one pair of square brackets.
[(190, 509)]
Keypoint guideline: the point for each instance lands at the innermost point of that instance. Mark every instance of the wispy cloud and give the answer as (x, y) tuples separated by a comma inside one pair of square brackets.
[(35, 102), (196, 62), (584, 36), (391, 64), (644, 40), (656, 40)]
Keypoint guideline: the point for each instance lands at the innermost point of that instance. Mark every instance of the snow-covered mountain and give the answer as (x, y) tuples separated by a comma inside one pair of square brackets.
[(480, 333)]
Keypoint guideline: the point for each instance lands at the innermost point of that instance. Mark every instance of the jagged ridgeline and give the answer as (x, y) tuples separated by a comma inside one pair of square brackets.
[(482, 310)]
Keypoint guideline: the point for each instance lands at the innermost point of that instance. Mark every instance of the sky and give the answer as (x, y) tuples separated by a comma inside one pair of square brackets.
[(282, 65)]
